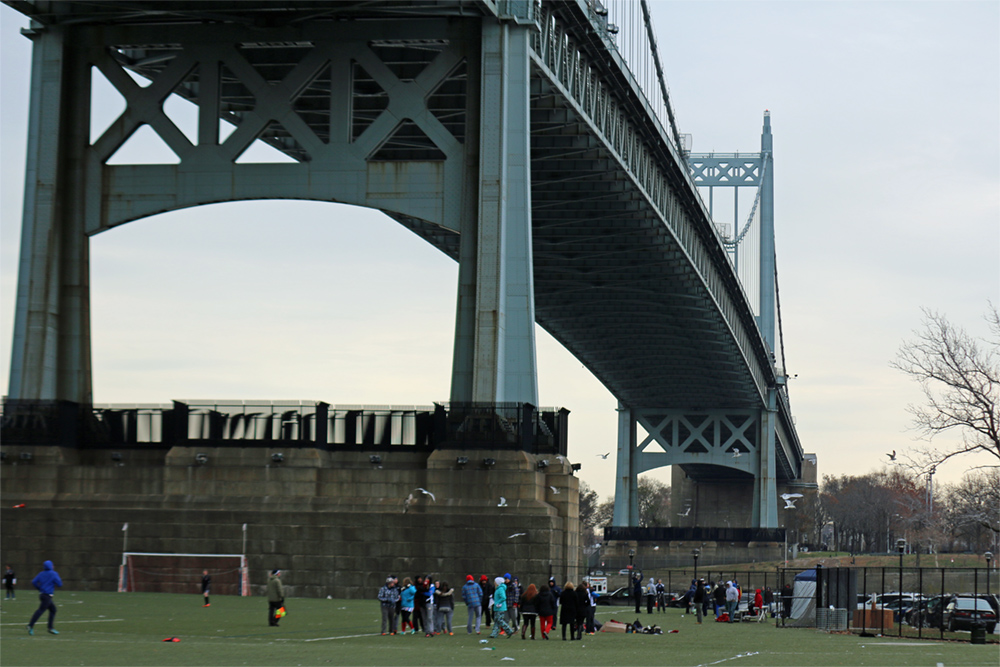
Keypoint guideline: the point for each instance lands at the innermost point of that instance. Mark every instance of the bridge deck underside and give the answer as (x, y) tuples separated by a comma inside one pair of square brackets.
[(607, 270)]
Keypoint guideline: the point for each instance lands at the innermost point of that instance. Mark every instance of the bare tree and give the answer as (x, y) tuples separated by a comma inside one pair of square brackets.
[(589, 518), (653, 500), (960, 377), (973, 505)]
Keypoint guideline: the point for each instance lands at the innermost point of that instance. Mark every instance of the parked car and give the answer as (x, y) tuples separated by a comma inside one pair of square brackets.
[(926, 613), (965, 612), (619, 596)]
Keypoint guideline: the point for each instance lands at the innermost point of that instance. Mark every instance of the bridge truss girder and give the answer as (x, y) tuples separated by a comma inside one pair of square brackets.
[(426, 120)]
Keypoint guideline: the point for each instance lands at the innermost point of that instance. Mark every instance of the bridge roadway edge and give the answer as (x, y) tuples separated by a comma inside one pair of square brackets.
[(333, 522)]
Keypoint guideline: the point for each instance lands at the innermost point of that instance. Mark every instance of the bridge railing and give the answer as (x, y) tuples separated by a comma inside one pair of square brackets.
[(501, 426)]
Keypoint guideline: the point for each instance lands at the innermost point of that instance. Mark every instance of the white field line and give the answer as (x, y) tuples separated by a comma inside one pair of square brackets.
[(326, 639), (98, 620), (735, 657)]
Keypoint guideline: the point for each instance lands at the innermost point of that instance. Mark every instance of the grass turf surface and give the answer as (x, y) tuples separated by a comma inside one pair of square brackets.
[(128, 629)]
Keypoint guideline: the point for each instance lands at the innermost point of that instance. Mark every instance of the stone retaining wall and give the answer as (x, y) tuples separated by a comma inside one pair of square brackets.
[(333, 521)]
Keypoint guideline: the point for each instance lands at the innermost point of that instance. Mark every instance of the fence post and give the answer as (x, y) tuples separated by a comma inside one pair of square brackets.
[(920, 599), (881, 617), (941, 626), (819, 586)]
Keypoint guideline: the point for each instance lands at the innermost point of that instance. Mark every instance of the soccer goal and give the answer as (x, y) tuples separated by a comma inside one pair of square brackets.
[(181, 573)]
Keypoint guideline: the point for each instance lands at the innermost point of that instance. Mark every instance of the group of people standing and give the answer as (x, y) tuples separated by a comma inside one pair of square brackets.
[(500, 602), (726, 596)]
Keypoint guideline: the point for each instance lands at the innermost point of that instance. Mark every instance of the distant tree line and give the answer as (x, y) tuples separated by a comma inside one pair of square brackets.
[(868, 513)]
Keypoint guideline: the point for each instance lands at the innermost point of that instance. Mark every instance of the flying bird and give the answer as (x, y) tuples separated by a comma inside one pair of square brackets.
[(790, 499), (515, 535), (604, 456), (685, 513), (426, 493), (892, 457), (503, 502), (407, 502), (555, 491), (561, 459), (737, 453)]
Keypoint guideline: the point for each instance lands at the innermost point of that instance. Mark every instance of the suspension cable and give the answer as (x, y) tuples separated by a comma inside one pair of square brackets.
[(660, 77), (781, 333), (753, 210)]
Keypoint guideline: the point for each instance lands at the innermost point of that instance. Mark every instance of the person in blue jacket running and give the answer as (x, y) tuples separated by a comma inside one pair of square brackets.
[(46, 582)]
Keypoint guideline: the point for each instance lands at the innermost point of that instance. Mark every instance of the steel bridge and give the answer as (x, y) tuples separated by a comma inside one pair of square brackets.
[(520, 138)]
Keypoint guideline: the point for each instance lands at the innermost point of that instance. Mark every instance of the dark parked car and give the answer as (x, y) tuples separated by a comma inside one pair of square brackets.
[(619, 596), (965, 612), (926, 613)]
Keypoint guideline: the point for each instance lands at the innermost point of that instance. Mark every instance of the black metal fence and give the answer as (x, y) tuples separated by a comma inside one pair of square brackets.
[(513, 426), (908, 602)]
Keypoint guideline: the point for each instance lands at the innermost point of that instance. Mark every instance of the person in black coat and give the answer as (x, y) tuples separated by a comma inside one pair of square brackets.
[(719, 593), (699, 599), (545, 605), (488, 588), (567, 610)]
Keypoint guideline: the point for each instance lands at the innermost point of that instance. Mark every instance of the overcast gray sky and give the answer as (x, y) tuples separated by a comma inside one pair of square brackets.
[(887, 199)]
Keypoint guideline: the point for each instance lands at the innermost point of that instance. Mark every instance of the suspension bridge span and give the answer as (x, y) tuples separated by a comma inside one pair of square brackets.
[(531, 141)]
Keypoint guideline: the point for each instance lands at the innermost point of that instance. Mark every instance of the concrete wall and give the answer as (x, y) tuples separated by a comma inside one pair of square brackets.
[(333, 521)]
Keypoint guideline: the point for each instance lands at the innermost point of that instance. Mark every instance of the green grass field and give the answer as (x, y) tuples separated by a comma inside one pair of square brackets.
[(128, 629)]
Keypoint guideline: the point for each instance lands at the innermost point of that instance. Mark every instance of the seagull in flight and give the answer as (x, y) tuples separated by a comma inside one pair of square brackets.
[(685, 513), (503, 502), (555, 491), (892, 457), (604, 456), (790, 499), (515, 535), (737, 453), (426, 493)]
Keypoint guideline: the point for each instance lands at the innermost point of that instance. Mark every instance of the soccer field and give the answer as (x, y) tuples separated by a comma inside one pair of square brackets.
[(129, 628)]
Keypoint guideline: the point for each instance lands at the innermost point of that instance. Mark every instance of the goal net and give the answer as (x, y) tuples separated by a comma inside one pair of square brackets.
[(182, 573)]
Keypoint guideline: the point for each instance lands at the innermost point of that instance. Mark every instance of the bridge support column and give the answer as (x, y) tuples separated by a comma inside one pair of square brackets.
[(768, 282), (494, 358), (51, 342), (765, 497), (627, 480)]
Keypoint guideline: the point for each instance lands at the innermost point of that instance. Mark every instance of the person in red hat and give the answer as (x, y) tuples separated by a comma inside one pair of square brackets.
[(472, 595)]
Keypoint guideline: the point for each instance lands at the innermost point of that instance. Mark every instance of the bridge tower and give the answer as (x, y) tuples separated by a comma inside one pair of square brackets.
[(425, 118), (721, 444)]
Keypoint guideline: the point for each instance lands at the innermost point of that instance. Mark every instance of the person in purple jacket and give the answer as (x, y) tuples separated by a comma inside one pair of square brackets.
[(46, 583)]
